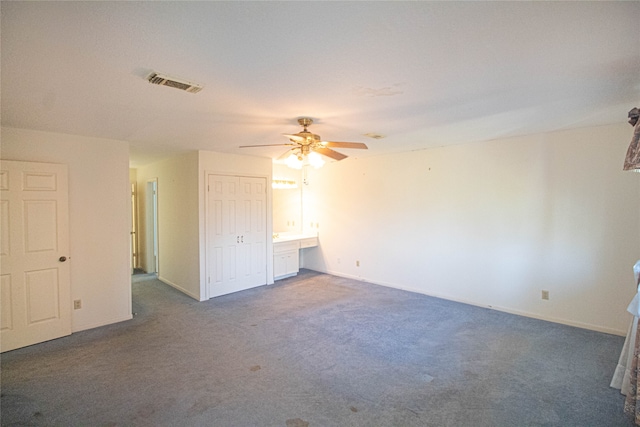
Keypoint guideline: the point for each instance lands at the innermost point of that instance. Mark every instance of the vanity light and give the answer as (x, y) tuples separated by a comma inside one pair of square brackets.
[(283, 184)]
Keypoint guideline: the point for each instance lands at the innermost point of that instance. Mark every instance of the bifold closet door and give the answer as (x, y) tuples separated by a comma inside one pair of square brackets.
[(253, 231), (236, 233)]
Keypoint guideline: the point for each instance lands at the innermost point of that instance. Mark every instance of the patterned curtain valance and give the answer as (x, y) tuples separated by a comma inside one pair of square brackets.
[(632, 160)]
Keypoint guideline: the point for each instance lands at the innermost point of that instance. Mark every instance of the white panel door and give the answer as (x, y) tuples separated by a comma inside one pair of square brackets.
[(253, 233), (236, 233), (35, 296), (222, 232)]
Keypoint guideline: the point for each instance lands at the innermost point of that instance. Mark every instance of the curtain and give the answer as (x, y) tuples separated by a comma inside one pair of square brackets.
[(622, 376), (626, 374), (632, 402), (632, 159)]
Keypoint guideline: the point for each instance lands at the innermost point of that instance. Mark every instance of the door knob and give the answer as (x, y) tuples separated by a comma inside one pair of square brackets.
[(62, 259)]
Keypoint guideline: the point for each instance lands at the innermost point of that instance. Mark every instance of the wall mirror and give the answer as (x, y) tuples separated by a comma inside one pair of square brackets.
[(287, 199)]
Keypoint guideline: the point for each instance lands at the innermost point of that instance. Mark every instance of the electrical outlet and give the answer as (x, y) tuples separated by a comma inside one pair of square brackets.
[(77, 304), (545, 294), (357, 263)]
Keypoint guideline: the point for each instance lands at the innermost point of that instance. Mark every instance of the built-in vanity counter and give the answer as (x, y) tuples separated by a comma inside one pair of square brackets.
[(286, 252)]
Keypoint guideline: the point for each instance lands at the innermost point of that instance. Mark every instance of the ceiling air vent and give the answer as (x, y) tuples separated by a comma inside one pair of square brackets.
[(163, 80)]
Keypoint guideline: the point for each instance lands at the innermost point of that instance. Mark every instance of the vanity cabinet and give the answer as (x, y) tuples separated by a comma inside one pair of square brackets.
[(285, 259), (308, 242), (286, 254)]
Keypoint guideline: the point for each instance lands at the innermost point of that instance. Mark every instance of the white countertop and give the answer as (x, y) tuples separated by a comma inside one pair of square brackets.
[(289, 237)]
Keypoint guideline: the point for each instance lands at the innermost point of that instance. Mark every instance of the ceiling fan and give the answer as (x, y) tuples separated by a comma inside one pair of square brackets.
[(305, 143)]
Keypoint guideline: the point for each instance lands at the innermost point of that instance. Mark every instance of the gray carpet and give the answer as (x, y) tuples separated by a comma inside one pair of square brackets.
[(314, 350)]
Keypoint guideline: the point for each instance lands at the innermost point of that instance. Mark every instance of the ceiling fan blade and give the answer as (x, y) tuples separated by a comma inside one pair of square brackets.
[(286, 154), (358, 145), (264, 145), (330, 153), (295, 137)]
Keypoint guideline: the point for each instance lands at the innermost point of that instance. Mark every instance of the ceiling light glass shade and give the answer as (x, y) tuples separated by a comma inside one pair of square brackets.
[(632, 160), (315, 160), (294, 162)]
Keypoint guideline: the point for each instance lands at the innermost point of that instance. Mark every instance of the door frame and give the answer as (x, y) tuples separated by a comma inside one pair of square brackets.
[(152, 244), (135, 243)]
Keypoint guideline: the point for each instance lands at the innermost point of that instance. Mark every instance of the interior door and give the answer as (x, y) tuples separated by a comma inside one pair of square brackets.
[(253, 233), (222, 234), (236, 233), (35, 296)]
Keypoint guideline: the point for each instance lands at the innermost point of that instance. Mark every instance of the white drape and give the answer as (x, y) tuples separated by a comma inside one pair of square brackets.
[(622, 374)]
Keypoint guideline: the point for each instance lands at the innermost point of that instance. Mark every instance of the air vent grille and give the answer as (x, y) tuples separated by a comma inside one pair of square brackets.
[(163, 80)]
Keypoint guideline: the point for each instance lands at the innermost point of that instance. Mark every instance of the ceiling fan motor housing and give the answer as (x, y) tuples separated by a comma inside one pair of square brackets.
[(305, 121), (306, 138)]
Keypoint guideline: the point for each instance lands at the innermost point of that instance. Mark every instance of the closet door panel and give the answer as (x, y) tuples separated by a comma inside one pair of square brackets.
[(236, 233)]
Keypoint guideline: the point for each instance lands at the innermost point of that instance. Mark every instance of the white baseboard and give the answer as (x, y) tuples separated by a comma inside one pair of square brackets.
[(180, 288), (78, 328), (561, 321)]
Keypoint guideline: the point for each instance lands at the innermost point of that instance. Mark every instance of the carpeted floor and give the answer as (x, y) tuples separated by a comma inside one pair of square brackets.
[(314, 350)]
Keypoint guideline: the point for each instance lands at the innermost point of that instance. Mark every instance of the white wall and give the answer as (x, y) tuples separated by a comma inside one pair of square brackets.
[(181, 213), (231, 164), (177, 220), (99, 217), (491, 224)]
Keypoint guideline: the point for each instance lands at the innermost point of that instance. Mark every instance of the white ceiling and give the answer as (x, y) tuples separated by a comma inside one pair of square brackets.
[(424, 74)]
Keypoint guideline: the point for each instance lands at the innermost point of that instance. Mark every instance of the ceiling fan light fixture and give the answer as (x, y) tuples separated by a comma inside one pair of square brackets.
[(309, 148), (294, 162), (315, 160)]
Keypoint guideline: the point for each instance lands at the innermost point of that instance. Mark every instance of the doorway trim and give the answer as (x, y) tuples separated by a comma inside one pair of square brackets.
[(152, 246)]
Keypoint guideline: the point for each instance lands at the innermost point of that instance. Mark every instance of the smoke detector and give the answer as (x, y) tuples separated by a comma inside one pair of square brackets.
[(164, 80)]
